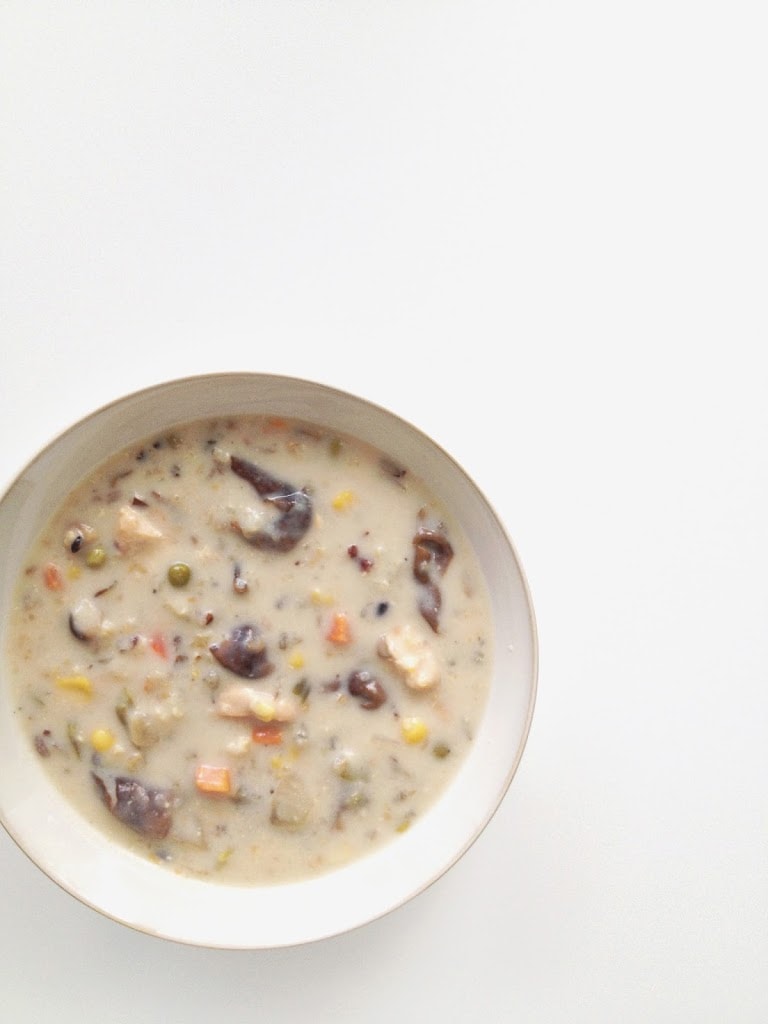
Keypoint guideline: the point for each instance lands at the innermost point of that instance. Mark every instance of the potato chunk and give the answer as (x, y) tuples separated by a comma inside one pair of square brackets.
[(291, 803)]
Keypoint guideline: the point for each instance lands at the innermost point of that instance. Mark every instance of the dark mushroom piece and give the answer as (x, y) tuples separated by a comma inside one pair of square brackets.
[(145, 809), (294, 505), (243, 652), (433, 551), (430, 602), (367, 689), (432, 554)]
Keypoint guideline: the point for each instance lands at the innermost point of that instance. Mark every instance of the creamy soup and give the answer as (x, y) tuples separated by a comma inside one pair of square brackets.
[(251, 649)]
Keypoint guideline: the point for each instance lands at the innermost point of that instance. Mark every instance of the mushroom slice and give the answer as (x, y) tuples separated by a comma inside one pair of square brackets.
[(145, 809), (368, 690), (432, 554), (243, 652), (294, 507)]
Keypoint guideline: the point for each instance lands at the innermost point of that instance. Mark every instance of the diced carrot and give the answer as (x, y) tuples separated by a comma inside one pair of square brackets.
[(159, 645), (267, 734), (52, 576), (339, 632), (213, 778), (276, 423)]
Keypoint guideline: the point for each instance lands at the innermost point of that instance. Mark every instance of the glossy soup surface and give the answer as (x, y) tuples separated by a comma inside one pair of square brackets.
[(251, 649)]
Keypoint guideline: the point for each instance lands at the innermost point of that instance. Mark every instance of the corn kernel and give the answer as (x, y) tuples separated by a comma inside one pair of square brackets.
[(343, 500), (102, 740), (414, 730), (404, 825), (81, 684), (263, 710), (74, 572), (296, 660), (322, 597)]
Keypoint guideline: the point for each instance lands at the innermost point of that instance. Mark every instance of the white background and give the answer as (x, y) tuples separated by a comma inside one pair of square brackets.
[(538, 231)]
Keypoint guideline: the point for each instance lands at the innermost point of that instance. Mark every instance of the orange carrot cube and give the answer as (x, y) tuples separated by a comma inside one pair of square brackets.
[(339, 632), (212, 778)]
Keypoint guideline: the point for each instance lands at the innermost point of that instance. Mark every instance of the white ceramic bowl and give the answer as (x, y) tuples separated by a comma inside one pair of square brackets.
[(148, 897)]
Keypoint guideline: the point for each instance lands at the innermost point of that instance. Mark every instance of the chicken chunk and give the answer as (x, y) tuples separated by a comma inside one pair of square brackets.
[(411, 656), (242, 701), (134, 529)]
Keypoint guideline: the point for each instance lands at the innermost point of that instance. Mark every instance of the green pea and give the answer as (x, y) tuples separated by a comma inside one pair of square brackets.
[(179, 574), (96, 557)]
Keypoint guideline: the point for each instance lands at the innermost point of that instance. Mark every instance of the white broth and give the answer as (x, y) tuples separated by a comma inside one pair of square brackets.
[(251, 649)]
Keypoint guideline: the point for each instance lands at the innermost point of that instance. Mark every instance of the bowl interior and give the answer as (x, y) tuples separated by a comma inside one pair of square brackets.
[(78, 857)]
